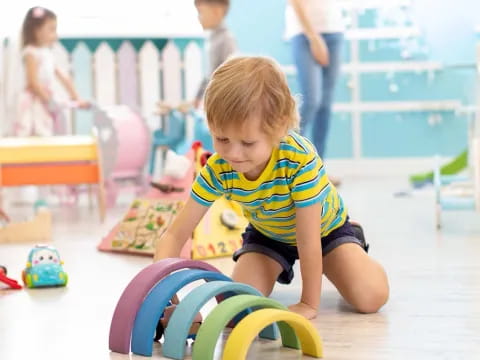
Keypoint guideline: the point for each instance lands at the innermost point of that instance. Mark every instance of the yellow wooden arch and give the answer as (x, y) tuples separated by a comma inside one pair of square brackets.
[(246, 330)]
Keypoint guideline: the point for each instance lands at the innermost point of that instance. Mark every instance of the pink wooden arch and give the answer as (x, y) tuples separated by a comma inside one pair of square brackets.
[(134, 294)]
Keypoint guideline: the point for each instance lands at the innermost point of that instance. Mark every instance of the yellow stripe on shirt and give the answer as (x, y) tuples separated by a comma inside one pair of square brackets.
[(294, 178)]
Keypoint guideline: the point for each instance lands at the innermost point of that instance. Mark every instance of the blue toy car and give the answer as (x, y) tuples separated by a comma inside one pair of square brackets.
[(44, 268)]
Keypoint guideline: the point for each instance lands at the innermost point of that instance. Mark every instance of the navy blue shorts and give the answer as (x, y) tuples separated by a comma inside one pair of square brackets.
[(286, 255)]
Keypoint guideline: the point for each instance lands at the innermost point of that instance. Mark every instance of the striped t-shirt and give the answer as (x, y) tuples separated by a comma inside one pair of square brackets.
[(294, 177)]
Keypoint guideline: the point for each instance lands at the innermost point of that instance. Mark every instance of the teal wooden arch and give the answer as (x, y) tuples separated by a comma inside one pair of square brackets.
[(177, 331)]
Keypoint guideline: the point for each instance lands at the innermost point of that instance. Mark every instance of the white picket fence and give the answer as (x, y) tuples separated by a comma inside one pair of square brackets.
[(136, 72)]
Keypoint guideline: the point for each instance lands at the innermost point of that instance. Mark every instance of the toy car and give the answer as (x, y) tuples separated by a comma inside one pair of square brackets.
[(44, 268)]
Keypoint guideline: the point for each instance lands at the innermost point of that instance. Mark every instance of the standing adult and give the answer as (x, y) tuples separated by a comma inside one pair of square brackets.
[(316, 31)]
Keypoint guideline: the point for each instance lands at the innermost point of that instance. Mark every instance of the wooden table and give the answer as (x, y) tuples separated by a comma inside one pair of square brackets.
[(56, 160)]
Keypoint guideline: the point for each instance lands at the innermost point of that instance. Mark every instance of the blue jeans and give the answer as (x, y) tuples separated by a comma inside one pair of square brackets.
[(317, 85)]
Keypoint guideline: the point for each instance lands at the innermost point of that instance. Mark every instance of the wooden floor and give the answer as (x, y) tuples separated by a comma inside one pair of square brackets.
[(433, 313)]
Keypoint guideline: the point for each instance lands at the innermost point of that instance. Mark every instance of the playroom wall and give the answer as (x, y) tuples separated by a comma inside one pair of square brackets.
[(398, 96), (402, 92)]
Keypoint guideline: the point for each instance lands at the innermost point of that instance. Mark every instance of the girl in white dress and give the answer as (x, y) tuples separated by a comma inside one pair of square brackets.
[(38, 112)]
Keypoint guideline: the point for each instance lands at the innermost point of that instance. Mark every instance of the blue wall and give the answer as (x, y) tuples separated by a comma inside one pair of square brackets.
[(452, 23), (259, 26)]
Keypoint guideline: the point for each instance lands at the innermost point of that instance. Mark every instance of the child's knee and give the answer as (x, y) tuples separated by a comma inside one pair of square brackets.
[(371, 300)]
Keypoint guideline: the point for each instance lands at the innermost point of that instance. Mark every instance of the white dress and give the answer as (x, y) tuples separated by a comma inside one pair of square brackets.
[(34, 117)]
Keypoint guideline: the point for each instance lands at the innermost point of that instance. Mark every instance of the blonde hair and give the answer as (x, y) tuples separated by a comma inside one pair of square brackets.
[(243, 87)]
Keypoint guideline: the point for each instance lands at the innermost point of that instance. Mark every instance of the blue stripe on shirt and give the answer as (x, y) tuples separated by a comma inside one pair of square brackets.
[(199, 199)]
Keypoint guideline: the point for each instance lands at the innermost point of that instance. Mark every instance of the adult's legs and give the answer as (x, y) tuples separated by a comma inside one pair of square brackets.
[(308, 77), (328, 79)]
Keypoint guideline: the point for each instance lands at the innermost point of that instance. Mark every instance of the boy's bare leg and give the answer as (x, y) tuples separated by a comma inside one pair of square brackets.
[(257, 270), (359, 279)]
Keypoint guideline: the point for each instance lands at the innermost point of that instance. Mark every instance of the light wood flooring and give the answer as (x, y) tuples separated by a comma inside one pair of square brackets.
[(433, 312)]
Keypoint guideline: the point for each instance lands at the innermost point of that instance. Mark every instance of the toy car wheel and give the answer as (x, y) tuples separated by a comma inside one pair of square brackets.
[(3, 270), (66, 279), (24, 277), (28, 281)]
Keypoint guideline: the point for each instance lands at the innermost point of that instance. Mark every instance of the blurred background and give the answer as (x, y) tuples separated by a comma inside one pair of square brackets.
[(406, 103), (408, 66)]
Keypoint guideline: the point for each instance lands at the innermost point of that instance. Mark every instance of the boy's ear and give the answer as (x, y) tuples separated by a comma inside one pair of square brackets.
[(285, 129), (282, 132)]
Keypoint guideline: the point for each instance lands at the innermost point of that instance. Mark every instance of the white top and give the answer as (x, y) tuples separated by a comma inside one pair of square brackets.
[(46, 64), (325, 15)]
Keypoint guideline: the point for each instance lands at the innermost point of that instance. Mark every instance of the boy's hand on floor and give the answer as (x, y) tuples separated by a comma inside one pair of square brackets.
[(303, 309)]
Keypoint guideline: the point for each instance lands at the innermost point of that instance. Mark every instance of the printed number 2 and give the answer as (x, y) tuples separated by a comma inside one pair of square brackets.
[(221, 245)]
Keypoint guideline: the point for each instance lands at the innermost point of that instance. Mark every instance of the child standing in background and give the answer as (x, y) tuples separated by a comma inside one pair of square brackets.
[(280, 181), (211, 14), (221, 44), (38, 111)]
